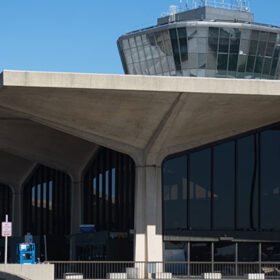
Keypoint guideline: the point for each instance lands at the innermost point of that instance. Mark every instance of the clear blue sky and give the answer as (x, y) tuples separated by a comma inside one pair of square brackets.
[(80, 36)]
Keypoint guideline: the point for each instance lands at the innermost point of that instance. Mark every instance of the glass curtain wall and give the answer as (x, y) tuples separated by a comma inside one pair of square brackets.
[(230, 186), (47, 207), (5, 202), (109, 192), (198, 51), (46, 210), (223, 251)]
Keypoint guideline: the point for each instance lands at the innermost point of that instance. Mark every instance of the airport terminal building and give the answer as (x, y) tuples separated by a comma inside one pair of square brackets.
[(177, 161)]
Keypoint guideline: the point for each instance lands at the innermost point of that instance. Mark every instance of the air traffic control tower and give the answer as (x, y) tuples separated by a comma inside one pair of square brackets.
[(208, 41)]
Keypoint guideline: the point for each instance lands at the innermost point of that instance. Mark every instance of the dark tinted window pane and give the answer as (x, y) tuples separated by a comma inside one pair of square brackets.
[(212, 45), (148, 52), (132, 42), (138, 41), (224, 33), (246, 185), (223, 45), (125, 44), (127, 55), (183, 43), (134, 54), (213, 32), (273, 67), (258, 65), (245, 34), (248, 252), (224, 252), (232, 64), (222, 61), (255, 35), (261, 48), (263, 36), (175, 193), (182, 33), (269, 49), (175, 48), (223, 191), (234, 45), (253, 47), (271, 252), (272, 37), (200, 195), (145, 39), (250, 63), (201, 251), (236, 33), (276, 53), (168, 47), (266, 66), (175, 252), (124, 62), (270, 166)]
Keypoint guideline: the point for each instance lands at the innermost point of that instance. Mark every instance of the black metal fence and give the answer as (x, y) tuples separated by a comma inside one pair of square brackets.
[(161, 270)]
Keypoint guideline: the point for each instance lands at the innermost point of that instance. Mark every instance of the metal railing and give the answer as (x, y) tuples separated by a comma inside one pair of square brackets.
[(242, 5), (160, 270)]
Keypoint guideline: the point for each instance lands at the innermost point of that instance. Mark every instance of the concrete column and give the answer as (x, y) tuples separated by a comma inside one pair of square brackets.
[(148, 215), (76, 213), (140, 216), (154, 214), (17, 213)]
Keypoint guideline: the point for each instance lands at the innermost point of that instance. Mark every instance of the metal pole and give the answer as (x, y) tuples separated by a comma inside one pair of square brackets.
[(189, 258), (260, 257), (6, 246), (212, 257), (45, 243), (236, 259)]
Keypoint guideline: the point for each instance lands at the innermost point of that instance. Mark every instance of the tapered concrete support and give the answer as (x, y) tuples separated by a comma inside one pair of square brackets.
[(76, 213), (140, 216), (17, 213), (148, 215)]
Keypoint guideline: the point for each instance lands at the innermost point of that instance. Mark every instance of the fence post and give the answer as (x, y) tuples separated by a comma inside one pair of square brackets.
[(260, 257), (189, 259), (212, 257), (236, 259), (146, 269)]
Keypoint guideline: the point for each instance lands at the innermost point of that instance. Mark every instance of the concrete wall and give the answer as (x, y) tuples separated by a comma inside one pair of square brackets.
[(29, 271)]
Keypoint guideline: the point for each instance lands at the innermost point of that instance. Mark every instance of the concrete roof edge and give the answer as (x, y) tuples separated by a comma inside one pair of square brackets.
[(119, 82)]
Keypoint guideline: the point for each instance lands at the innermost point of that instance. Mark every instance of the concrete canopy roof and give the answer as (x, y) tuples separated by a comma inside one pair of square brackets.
[(24, 144), (147, 117)]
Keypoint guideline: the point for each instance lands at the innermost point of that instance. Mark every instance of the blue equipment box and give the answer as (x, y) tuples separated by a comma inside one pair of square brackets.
[(26, 253)]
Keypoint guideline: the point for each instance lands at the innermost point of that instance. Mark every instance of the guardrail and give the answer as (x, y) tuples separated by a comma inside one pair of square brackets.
[(160, 270)]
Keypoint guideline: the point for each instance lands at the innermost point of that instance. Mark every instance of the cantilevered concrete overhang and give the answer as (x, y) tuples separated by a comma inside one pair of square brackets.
[(60, 119), (147, 117)]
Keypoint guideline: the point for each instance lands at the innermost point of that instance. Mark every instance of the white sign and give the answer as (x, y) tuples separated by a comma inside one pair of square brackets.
[(6, 229)]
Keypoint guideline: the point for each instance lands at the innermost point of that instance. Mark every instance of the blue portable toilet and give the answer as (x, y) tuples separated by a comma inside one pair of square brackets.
[(26, 253)]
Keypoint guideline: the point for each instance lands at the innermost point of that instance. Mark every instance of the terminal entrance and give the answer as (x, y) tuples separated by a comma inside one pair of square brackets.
[(107, 205)]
